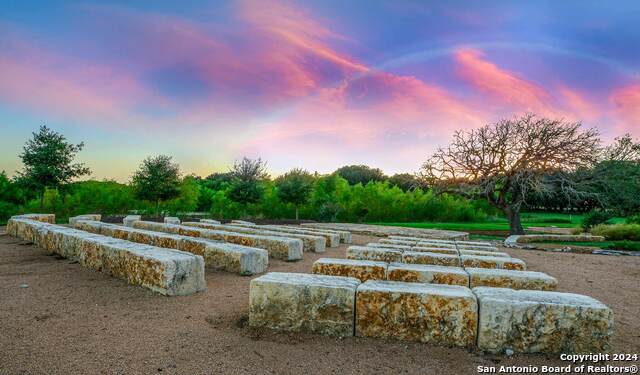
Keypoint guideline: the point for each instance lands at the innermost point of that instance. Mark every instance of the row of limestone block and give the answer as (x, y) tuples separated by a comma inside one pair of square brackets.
[(313, 243), (169, 272), (334, 237), (434, 256), (365, 270), (493, 319), (243, 260), (455, 244), (386, 230), (278, 247)]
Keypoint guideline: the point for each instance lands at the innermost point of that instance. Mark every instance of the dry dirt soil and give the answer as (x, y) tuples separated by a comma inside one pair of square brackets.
[(70, 320)]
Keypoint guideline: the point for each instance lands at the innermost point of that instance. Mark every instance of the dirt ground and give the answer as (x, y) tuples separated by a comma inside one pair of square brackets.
[(71, 320)]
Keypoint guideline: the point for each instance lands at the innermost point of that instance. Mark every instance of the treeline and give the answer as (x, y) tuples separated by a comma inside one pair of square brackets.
[(330, 198)]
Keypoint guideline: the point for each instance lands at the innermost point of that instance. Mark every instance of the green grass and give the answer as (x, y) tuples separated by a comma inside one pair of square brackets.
[(535, 219)]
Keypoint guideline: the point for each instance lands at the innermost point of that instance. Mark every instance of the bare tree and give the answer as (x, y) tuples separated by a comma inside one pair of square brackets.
[(623, 149), (502, 162)]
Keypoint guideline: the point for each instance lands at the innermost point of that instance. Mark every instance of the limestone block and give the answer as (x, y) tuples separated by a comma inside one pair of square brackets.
[(389, 246), (422, 273), (484, 253), (374, 253), (92, 217), (433, 313), (210, 221), (527, 321), (441, 245), (332, 239), (303, 302), (397, 242), (438, 259), (278, 247), (473, 261), (130, 219), (315, 244), (168, 272), (430, 249), (171, 220), (386, 230), (479, 248), (44, 218), (362, 270), (242, 222), (510, 279), (219, 255)]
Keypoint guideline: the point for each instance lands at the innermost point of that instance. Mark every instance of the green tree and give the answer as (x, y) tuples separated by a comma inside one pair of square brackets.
[(295, 187), (503, 162), (360, 174), (247, 176), (157, 180), (405, 181), (48, 162)]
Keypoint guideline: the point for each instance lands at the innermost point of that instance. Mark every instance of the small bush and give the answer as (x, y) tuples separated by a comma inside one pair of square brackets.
[(594, 218), (625, 245), (618, 232), (633, 219)]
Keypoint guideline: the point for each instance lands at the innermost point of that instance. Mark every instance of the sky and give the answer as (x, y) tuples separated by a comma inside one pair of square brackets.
[(311, 84)]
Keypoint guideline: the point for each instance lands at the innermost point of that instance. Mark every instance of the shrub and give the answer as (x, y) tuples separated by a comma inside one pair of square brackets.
[(594, 218), (625, 245), (618, 232), (633, 219)]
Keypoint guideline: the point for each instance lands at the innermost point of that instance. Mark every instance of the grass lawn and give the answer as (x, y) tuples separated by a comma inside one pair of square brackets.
[(534, 219)]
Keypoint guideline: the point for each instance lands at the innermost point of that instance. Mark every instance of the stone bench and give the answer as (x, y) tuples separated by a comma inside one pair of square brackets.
[(303, 302), (422, 239), (362, 270), (315, 244), (210, 221), (422, 273), (333, 239), (130, 219), (374, 253), (389, 246), (169, 272), (344, 236), (438, 259), (434, 250), (278, 247), (239, 259), (93, 217), (510, 279), (171, 220), (528, 321), (484, 253), (431, 313), (478, 248), (473, 261)]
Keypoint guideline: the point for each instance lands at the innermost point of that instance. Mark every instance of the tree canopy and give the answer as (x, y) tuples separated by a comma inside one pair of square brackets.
[(503, 162), (157, 180), (48, 161), (360, 174), (295, 187), (247, 176)]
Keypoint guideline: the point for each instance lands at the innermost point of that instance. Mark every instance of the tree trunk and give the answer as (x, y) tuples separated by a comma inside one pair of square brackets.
[(513, 215), (296, 213)]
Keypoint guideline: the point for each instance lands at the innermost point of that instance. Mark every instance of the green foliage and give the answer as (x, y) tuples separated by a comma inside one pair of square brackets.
[(48, 161), (618, 232), (187, 200), (594, 218), (10, 197), (247, 177), (157, 180), (295, 187), (633, 219), (360, 174), (405, 181), (625, 245)]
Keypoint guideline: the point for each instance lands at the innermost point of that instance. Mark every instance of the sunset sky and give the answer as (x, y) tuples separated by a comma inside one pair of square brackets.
[(312, 84)]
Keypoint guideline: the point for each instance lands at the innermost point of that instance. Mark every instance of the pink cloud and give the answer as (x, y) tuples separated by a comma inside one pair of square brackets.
[(504, 86), (626, 101)]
